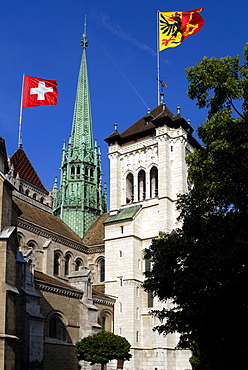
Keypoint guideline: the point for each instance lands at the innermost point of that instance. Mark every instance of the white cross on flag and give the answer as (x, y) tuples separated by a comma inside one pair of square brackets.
[(37, 91)]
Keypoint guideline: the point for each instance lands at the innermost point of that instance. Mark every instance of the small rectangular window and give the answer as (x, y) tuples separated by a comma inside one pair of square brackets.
[(147, 264), (137, 291), (137, 313), (150, 299)]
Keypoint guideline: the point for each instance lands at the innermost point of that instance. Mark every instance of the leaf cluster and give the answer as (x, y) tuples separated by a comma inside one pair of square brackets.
[(217, 83), (102, 348), (202, 268)]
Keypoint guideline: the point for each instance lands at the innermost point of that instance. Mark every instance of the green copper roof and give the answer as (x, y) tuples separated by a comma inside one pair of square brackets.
[(124, 214), (80, 201), (82, 120)]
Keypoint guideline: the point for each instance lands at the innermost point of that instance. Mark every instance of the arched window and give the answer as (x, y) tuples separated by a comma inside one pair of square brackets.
[(42, 200), (67, 264), (129, 188), (105, 319), (78, 264), (72, 170), (56, 265), (34, 196), (101, 265), (57, 329), (141, 185), (78, 170), (154, 182), (21, 189), (27, 192)]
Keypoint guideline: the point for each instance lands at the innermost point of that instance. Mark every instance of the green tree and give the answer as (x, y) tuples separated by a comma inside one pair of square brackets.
[(203, 266), (103, 347)]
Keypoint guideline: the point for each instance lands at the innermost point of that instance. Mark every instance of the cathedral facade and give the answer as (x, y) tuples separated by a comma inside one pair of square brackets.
[(69, 268)]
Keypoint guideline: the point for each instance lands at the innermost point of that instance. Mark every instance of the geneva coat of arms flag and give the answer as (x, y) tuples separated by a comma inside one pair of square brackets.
[(38, 91), (176, 26)]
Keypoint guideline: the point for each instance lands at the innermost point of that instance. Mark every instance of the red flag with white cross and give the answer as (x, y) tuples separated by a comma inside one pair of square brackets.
[(38, 91)]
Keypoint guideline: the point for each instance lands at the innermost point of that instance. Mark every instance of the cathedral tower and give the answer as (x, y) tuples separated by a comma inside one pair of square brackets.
[(79, 201), (147, 171)]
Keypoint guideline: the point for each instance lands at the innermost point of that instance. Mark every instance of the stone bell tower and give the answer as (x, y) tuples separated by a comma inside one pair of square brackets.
[(147, 171)]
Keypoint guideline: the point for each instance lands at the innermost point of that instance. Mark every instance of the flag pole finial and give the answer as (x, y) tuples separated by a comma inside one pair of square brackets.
[(84, 41)]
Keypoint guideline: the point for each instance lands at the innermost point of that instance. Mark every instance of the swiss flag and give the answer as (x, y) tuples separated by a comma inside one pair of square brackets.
[(38, 91)]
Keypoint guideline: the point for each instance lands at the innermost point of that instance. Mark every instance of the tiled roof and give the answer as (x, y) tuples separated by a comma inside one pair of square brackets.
[(98, 290), (100, 297), (45, 220), (124, 214), (23, 166), (146, 126), (52, 280), (95, 235)]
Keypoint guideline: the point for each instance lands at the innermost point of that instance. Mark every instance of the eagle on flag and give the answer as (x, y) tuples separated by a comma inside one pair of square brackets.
[(177, 26)]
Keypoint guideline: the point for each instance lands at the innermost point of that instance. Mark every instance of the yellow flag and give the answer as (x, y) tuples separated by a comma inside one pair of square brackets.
[(175, 26)]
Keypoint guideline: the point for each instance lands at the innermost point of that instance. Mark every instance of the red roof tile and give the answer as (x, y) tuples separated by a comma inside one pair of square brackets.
[(95, 235), (23, 166), (46, 220), (53, 280)]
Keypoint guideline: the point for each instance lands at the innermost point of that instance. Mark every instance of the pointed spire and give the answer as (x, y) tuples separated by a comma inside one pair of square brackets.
[(79, 200), (82, 120)]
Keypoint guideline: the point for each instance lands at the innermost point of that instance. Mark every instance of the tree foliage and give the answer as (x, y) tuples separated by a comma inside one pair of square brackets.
[(103, 347), (203, 266)]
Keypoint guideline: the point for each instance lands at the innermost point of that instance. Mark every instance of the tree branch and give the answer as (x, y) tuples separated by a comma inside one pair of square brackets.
[(236, 110)]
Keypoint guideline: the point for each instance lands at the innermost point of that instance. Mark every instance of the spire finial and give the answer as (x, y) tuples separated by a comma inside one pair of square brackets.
[(20, 142), (84, 41), (178, 109), (115, 125)]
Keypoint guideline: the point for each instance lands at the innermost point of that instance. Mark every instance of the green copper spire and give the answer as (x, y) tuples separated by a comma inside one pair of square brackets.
[(79, 201), (82, 121)]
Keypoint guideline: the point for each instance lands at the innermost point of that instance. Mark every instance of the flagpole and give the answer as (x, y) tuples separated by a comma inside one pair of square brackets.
[(158, 60), (20, 119)]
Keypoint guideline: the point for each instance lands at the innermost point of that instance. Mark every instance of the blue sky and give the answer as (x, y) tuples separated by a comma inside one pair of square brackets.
[(42, 39)]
